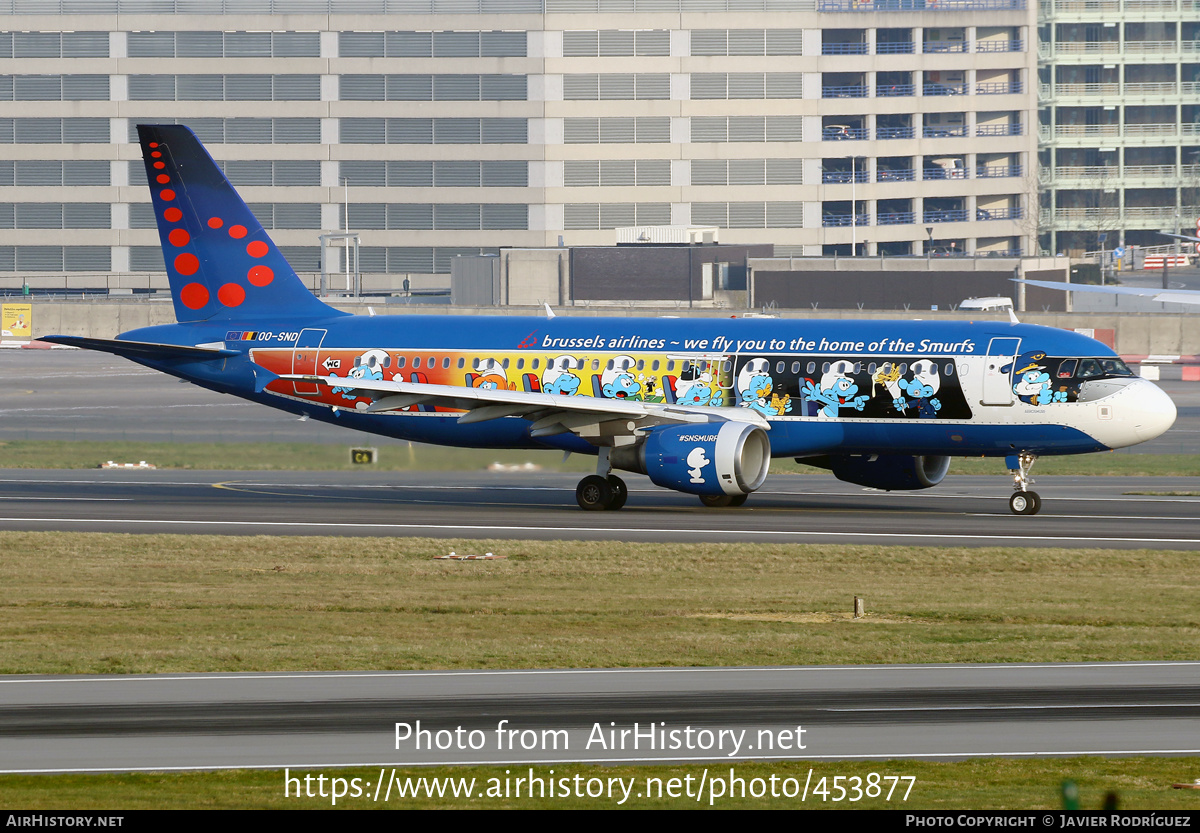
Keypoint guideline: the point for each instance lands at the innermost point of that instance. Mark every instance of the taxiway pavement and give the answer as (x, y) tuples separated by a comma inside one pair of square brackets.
[(1120, 512), (306, 721)]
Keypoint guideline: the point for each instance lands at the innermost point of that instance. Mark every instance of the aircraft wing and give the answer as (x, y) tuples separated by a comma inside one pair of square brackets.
[(590, 417), (1167, 296), (1186, 237)]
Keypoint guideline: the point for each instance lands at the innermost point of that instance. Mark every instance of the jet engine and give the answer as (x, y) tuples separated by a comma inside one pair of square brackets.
[(890, 472), (727, 458)]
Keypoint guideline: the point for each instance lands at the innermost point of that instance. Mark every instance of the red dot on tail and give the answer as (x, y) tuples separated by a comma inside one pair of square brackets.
[(167, 194), (163, 179), (231, 295), (193, 296), (179, 237), (160, 165), (156, 154), (215, 222), (256, 248), (187, 264), (173, 215), (237, 232), (154, 144), (260, 275)]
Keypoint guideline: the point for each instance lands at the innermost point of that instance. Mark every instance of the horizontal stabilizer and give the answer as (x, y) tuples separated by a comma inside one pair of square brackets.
[(143, 349)]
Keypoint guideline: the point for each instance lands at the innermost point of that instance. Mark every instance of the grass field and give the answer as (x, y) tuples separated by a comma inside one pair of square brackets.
[(104, 603), (392, 457)]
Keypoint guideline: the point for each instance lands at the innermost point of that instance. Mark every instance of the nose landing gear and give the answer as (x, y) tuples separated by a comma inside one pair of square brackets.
[(1023, 501)]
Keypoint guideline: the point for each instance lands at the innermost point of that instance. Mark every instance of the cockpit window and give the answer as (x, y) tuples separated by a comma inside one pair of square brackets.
[(1089, 369), (1067, 369), (1115, 367)]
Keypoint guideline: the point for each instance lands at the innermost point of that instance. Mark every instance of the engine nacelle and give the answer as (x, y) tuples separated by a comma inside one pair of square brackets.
[(728, 458), (890, 472)]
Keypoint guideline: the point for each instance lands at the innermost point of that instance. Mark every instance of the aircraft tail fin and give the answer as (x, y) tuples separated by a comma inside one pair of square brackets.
[(221, 263)]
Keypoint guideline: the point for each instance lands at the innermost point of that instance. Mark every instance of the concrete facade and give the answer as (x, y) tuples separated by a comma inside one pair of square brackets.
[(1137, 335), (1119, 92), (455, 127)]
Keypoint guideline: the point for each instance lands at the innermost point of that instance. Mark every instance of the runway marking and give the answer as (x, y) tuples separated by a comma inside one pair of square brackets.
[(483, 486), (52, 410), (1062, 753), (559, 672), (81, 499), (1017, 708), (608, 531)]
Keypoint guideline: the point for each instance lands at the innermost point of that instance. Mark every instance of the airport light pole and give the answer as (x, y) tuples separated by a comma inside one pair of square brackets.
[(854, 204)]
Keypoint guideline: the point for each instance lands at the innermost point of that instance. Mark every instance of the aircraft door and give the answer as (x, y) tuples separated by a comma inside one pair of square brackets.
[(997, 371), (304, 359)]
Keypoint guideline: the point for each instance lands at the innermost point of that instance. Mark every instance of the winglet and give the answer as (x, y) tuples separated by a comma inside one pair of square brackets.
[(1012, 317), (549, 312)]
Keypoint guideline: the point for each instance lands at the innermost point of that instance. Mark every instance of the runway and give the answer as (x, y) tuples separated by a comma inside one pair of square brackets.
[(213, 721), (327, 719), (963, 511)]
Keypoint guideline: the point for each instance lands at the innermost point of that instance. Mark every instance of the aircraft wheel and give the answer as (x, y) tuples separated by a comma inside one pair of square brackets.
[(738, 500), (593, 493), (1025, 503), (714, 501), (619, 492)]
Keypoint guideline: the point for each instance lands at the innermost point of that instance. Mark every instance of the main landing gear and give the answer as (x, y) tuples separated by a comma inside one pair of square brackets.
[(1023, 501), (595, 492), (602, 490)]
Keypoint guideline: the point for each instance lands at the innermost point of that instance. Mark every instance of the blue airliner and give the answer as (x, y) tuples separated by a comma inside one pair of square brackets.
[(698, 405)]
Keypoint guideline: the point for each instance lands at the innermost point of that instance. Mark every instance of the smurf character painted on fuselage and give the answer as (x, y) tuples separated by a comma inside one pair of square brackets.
[(836, 391), (618, 381), (1033, 385), (491, 375), (367, 366), (696, 461), (561, 376), (695, 387), (754, 390), (920, 389)]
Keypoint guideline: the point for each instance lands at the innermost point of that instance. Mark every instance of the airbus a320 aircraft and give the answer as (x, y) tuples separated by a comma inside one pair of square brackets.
[(700, 405)]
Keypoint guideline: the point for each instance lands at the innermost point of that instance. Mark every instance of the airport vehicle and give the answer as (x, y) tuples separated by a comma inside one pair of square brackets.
[(995, 303), (699, 405)]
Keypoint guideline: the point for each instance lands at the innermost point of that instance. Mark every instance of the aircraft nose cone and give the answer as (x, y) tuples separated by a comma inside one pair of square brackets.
[(1151, 411)]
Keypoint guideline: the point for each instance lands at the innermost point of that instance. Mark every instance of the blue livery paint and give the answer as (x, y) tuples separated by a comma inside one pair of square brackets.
[(698, 404)]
